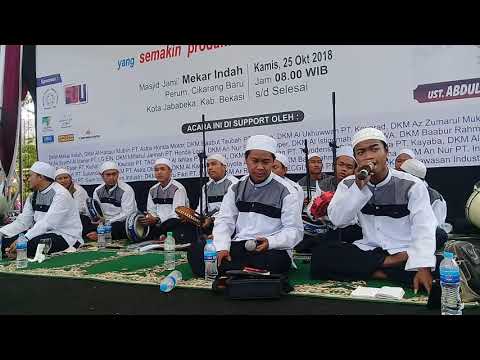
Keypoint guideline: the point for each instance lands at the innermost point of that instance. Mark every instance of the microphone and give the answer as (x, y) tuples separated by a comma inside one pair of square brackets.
[(250, 245), (365, 171)]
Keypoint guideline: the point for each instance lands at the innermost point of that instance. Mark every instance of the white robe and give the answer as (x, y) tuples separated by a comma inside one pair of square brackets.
[(414, 233), (167, 211), (80, 196), (282, 233), (62, 218), (215, 205), (129, 204)]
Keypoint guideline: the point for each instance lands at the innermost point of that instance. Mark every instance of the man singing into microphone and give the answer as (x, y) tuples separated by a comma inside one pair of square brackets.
[(263, 210), (397, 221)]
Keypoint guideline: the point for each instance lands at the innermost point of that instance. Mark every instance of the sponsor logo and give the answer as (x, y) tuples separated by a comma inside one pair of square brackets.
[(46, 122), (87, 135), (49, 80), (48, 139), (66, 121), (66, 138), (50, 99), (76, 94)]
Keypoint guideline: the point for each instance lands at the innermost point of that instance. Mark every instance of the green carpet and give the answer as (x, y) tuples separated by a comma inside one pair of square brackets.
[(129, 263), (301, 276), (71, 259)]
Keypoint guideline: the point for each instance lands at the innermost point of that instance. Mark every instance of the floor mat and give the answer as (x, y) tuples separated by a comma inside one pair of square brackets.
[(147, 268)]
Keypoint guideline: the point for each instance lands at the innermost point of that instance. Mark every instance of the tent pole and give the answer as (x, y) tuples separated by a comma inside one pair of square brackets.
[(20, 183)]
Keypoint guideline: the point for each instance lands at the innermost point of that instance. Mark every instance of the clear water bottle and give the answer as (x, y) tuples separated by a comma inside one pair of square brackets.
[(170, 281), (101, 236), (210, 259), (108, 232), (450, 283), (22, 261), (169, 252)]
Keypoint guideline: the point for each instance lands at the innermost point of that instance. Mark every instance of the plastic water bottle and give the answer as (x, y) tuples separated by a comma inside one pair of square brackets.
[(22, 261), (101, 236), (169, 282), (108, 232), (169, 252), (450, 283), (210, 259)]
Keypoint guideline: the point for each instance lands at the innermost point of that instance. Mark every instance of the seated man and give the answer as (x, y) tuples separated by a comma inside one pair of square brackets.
[(280, 168), (345, 165), (50, 212), (402, 156), (163, 199), (217, 187), (117, 200), (315, 166), (397, 222), (439, 205), (79, 194), (262, 207)]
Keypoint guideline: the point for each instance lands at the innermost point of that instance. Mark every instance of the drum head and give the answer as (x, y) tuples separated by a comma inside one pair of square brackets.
[(476, 187), (472, 207), (136, 232), (94, 209)]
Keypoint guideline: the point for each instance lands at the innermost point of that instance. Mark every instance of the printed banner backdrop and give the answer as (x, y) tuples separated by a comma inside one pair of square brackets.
[(134, 104)]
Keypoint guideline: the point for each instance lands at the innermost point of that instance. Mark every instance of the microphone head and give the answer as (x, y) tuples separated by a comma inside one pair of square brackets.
[(250, 245), (363, 174)]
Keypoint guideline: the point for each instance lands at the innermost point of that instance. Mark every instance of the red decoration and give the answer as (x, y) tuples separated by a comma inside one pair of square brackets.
[(320, 204)]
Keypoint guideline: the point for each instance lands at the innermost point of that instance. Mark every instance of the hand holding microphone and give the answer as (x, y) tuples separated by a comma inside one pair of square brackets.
[(250, 245), (258, 245), (364, 172)]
